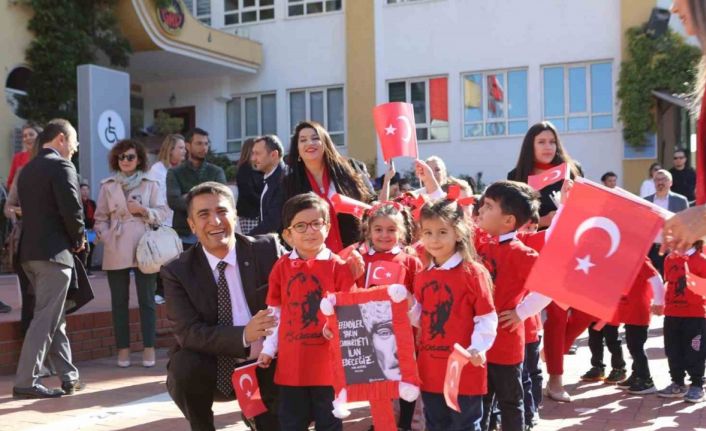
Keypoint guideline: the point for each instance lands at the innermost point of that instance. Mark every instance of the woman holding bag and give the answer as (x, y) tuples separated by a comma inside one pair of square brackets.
[(129, 203)]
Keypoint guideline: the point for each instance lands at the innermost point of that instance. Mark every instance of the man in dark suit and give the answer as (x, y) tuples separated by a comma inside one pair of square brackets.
[(216, 295), (266, 157), (668, 200), (53, 229)]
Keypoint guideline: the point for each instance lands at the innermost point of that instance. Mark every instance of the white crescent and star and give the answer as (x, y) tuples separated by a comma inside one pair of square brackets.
[(554, 175), (604, 223), (243, 378), (391, 130), (377, 277)]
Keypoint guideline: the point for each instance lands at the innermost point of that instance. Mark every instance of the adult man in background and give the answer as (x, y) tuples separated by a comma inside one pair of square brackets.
[(53, 229), (194, 171), (683, 176), (266, 157)]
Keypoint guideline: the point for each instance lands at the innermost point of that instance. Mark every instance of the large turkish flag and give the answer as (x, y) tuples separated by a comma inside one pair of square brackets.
[(595, 250), (247, 391), (396, 128)]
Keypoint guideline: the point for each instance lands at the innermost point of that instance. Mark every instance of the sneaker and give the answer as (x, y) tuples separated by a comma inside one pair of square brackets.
[(625, 384), (616, 376), (695, 394), (595, 374), (672, 391), (159, 300), (643, 386)]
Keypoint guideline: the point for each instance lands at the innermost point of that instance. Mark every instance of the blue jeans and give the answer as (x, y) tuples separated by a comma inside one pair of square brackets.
[(440, 417)]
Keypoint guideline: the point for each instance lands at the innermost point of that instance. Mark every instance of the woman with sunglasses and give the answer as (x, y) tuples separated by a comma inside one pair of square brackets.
[(129, 203)]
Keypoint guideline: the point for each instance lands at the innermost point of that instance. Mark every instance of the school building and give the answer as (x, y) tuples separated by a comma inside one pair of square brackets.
[(477, 72)]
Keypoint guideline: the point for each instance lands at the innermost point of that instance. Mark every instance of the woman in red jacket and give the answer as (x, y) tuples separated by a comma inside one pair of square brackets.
[(29, 135)]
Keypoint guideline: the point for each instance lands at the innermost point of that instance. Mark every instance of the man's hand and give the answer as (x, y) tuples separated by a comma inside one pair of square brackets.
[(683, 229), (80, 248), (477, 358), (510, 320), (260, 326), (264, 360)]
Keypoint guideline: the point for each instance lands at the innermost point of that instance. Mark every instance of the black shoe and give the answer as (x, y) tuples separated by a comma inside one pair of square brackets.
[(642, 386), (595, 374), (38, 391), (73, 386), (4, 308), (616, 376), (625, 384)]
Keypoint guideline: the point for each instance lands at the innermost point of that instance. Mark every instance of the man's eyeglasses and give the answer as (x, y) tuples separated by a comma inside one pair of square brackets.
[(301, 227), (128, 157)]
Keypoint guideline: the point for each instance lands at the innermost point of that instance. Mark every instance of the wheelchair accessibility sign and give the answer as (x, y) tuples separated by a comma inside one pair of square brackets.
[(111, 128)]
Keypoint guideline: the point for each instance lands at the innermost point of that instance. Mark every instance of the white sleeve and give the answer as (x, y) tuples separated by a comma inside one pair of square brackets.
[(532, 304), (484, 331), (658, 290), (438, 194), (550, 229), (415, 313), (271, 343)]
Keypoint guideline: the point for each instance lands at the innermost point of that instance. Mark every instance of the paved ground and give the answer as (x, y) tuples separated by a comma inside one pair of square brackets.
[(135, 399)]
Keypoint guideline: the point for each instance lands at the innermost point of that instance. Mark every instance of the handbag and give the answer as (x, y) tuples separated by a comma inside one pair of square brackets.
[(158, 246)]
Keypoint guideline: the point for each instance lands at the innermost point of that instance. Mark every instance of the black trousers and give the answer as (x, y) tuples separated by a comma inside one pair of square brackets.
[(657, 260), (300, 405), (505, 387), (191, 382), (684, 347), (635, 338), (532, 380), (609, 334)]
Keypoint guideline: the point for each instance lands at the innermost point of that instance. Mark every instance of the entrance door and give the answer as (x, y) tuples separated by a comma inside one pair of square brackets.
[(186, 113)]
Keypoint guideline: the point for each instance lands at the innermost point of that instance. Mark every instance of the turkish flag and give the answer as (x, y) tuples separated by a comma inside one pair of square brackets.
[(599, 241), (696, 284), (553, 175), (345, 205), (382, 273), (454, 366), (247, 391), (396, 128)]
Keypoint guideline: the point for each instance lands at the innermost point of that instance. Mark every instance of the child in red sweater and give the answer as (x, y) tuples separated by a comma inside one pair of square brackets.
[(297, 283)]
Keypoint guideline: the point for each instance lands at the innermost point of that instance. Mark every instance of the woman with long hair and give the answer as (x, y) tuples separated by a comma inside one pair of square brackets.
[(542, 150), (30, 132), (171, 154), (250, 183), (315, 165), (648, 185)]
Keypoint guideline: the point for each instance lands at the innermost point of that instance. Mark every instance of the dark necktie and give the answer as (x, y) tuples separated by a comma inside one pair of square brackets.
[(226, 364)]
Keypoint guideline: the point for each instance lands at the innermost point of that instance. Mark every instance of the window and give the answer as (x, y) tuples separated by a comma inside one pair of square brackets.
[(429, 97), (245, 11), (323, 105), (309, 7), (16, 85), (248, 117), (400, 1), (495, 103), (200, 9), (579, 97)]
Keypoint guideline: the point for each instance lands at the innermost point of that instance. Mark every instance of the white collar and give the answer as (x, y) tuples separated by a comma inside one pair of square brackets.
[(690, 251), (507, 236), (394, 250), (269, 174), (324, 254), (230, 259), (451, 263)]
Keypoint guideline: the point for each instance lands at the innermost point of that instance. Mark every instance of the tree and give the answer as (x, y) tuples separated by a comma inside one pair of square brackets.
[(67, 33)]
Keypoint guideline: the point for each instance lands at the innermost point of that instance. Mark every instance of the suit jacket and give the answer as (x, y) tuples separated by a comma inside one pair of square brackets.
[(271, 203), (676, 202), (52, 215), (192, 295)]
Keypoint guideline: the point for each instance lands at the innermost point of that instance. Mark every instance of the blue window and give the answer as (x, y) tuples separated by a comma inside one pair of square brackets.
[(579, 97), (495, 103)]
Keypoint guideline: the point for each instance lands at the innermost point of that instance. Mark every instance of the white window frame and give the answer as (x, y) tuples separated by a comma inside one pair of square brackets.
[(243, 125), (406, 2), (484, 105), (205, 19), (242, 9), (305, 3), (307, 109), (589, 99), (408, 95)]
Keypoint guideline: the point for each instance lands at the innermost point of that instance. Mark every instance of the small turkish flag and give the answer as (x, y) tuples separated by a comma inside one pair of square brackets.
[(396, 128), (382, 273), (345, 205), (247, 391), (599, 241), (696, 284), (454, 366), (553, 175)]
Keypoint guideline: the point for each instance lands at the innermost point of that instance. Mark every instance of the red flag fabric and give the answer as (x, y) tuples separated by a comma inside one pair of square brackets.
[(396, 129), (344, 204), (247, 391), (381, 273), (553, 175), (701, 156), (454, 366), (695, 283), (599, 241)]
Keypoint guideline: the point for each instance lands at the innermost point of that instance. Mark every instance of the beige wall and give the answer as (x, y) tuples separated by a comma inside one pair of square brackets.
[(360, 80), (632, 13), (15, 39)]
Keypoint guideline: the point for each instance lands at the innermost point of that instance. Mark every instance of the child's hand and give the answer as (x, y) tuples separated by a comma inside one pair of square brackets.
[(356, 264), (426, 176), (264, 360), (510, 320), (477, 358), (565, 189), (657, 310), (390, 172)]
